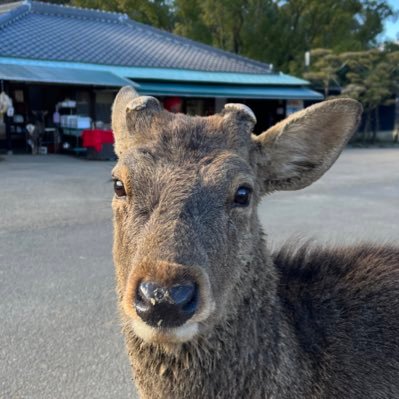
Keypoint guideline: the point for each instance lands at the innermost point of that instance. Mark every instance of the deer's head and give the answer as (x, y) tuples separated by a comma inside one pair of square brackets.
[(186, 192)]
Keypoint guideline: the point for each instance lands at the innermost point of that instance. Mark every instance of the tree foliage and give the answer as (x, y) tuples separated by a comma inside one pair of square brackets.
[(281, 31), (324, 69), (369, 76), (188, 22)]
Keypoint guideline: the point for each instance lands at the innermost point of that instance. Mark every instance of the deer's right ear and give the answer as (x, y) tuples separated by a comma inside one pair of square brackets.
[(297, 151), (131, 116)]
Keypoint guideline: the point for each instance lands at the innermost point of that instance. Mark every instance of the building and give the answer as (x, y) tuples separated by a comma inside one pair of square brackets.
[(58, 61)]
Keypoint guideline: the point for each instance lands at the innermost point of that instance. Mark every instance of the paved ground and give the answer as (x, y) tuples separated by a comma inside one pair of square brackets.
[(59, 331)]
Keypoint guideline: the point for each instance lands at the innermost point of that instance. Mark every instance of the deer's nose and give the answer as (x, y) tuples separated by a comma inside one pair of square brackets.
[(160, 306)]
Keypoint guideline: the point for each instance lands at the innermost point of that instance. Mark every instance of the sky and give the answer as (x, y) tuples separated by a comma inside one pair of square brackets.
[(392, 27)]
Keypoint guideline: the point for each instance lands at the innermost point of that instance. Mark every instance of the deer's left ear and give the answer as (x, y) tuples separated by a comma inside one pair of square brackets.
[(297, 151)]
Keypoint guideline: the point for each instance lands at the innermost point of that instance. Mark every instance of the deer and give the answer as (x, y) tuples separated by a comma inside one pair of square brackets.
[(207, 310)]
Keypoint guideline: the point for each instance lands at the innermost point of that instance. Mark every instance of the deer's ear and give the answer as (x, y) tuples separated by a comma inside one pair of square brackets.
[(297, 151)]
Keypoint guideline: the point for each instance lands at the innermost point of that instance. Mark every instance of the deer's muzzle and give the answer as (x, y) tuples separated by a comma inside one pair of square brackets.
[(166, 306)]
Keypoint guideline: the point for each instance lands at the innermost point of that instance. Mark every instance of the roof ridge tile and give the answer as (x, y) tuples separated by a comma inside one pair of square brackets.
[(63, 10), (14, 14)]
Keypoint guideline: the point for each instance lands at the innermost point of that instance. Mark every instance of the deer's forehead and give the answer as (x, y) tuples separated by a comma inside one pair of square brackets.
[(173, 134), (185, 146), (215, 167)]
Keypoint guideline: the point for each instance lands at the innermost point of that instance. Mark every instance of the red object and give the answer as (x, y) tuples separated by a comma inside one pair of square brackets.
[(96, 138), (173, 104)]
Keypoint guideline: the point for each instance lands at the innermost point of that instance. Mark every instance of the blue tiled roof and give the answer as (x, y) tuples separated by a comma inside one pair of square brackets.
[(41, 31), (227, 91), (38, 74)]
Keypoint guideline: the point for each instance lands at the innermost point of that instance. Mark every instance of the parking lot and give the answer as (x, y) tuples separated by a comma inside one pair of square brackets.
[(59, 328)]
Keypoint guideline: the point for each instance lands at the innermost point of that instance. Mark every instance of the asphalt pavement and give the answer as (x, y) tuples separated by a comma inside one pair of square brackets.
[(59, 327)]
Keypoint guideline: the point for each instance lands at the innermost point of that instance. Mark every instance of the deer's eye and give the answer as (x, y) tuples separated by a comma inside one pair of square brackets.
[(119, 188), (242, 196)]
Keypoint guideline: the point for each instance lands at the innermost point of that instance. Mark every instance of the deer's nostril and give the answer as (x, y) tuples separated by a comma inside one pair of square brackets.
[(182, 294), (151, 292), (142, 304), (166, 306)]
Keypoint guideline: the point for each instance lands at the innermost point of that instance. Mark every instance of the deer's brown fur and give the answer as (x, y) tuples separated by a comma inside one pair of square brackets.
[(304, 323)]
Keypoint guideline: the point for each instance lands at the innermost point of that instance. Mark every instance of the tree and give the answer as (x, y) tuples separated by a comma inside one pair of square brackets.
[(324, 69), (392, 50), (216, 22), (189, 21), (339, 25), (280, 31), (370, 79)]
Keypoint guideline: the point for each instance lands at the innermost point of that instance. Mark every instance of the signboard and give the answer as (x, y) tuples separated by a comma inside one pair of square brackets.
[(293, 106)]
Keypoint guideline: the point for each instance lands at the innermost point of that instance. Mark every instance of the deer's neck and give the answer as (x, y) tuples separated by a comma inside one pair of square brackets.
[(230, 360)]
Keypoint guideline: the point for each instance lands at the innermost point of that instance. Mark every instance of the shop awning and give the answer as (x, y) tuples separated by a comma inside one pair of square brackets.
[(228, 91), (60, 75)]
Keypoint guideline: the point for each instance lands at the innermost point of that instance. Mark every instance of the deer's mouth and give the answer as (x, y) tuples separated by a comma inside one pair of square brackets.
[(162, 335)]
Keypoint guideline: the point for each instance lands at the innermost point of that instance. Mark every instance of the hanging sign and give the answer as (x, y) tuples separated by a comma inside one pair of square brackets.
[(293, 106)]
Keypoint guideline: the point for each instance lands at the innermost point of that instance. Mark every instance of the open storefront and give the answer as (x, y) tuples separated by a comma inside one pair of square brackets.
[(49, 108)]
